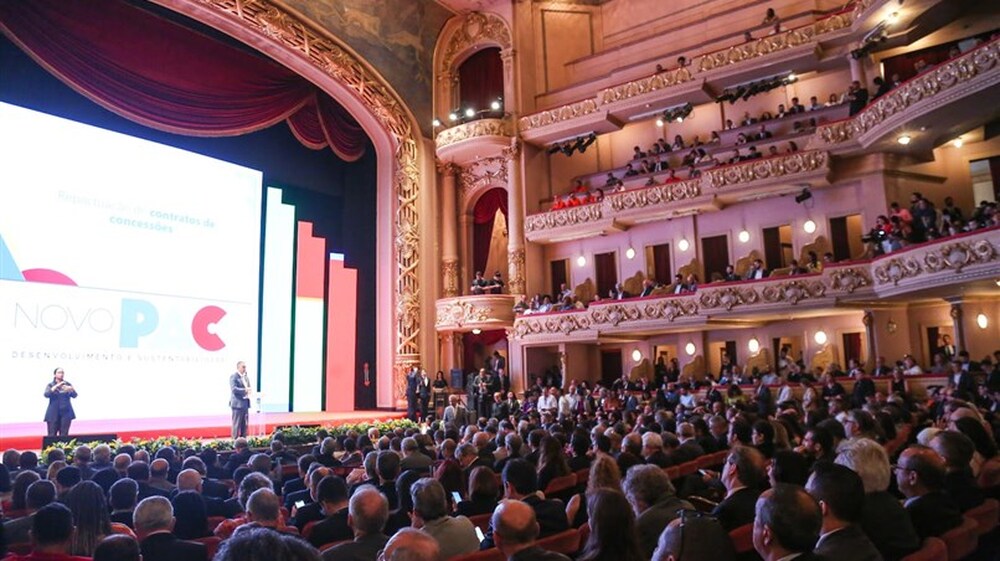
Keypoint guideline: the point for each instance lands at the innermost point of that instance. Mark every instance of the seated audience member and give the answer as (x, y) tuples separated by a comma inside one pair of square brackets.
[(516, 531), (787, 524), (190, 515), (65, 479), (604, 474), (240, 456), (756, 271), (613, 535), (958, 451), (367, 515), (521, 483), (138, 471), (159, 469), (482, 493), (654, 502), (387, 467), (652, 450), (694, 538), (412, 545), (264, 511), (742, 475), (192, 480), (262, 544), (90, 511), (840, 494), (117, 547), (51, 535), (299, 483), (455, 536), (39, 494), (250, 483), (333, 498), (857, 98), (154, 522), (19, 489), (788, 466), (920, 475)]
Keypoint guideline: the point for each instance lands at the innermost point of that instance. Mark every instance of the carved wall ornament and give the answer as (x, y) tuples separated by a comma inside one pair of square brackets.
[(462, 312), (515, 271), (646, 85), (651, 196), (481, 175), (957, 256), (926, 87), (477, 29), (557, 114), (473, 129), (728, 297), (563, 217), (849, 279), (794, 291), (449, 271), (896, 269), (767, 168)]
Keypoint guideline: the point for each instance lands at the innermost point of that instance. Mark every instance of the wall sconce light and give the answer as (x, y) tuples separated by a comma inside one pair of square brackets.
[(892, 326), (581, 261), (820, 337), (477, 331), (683, 245), (957, 143), (743, 236), (809, 226), (690, 349), (659, 122), (982, 321), (753, 345), (436, 123), (470, 112), (630, 253), (636, 355), (904, 139)]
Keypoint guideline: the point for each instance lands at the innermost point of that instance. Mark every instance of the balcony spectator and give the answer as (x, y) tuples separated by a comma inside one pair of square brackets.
[(814, 104), (747, 37), (834, 99), (741, 139), (920, 66), (881, 87), (782, 112), (753, 154), (715, 139), (650, 182), (648, 167), (729, 125), (496, 284), (772, 151), (678, 143), (770, 18), (747, 120), (796, 107), (694, 173), (793, 147), (735, 158), (757, 271), (671, 177), (762, 133), (637, 153), (857, 98), (766, 116), (611, 180), (479, 284), (630, 171)]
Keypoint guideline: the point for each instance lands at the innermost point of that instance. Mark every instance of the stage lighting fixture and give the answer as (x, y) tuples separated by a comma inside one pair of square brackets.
[(804, 196), (495, 105), (553, 149), (436, 122), (452, 116)]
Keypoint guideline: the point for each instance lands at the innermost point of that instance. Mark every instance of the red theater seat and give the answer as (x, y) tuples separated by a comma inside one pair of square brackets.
[(211, 544)]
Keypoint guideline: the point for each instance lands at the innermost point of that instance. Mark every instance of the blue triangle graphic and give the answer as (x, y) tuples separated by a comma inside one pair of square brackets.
[(8, 268)]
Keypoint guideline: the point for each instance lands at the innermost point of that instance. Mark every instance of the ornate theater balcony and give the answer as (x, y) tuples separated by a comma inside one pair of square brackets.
[(928, 269), (467, 142), (921, 102), (718, 186), (465, 313), (798, 49)]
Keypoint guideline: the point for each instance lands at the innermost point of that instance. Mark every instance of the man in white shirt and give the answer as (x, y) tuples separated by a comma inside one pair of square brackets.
[(567, 404), (549, 401)]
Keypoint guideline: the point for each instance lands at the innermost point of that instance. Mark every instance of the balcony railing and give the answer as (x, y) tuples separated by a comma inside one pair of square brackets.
[(974, 71), (482, 138), (719, 184), (966, 257), (465, 313)]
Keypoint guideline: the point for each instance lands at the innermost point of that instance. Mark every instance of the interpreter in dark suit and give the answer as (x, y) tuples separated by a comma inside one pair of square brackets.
[(412, 381), (239, 399), (424, 394), (59, 413)]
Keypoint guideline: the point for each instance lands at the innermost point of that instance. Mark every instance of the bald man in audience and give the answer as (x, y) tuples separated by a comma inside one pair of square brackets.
[(412, 545), (920, 475), (158, 472), (694, 538), (191, 480), (264, 511), (121, 463), (367, 514), (154, 525), (515, 530)]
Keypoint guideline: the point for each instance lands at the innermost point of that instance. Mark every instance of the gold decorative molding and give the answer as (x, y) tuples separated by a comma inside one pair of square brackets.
[(728, 297), (470, 130), (513, 151), (563, 217), (651, 196), (794, 291), (642, 86), (484, 173), (515, 270), (449, 272), (606, 315), (849, 279), (484, 311), (767, 168), (957, 256), (274, 23), (461, 313), (924, 88), (557, 114), (895, 269), (477, 28)]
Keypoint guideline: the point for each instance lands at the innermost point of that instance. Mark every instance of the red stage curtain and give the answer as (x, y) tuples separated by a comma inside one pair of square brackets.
[(480, 80), (482, 229), (172, 78), (471, 342)]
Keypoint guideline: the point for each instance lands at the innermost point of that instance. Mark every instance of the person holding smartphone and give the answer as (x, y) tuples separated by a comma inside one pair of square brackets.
[(59, 413)]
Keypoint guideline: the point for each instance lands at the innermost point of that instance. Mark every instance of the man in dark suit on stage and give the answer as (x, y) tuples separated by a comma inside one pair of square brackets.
[(841, 495), (59, 413), (154, 523), (424, 394), (787, 524), (239, 400), (412, 381)]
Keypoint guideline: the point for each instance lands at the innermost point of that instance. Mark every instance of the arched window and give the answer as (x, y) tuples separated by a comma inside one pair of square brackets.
[(489, 245), (480, 80)]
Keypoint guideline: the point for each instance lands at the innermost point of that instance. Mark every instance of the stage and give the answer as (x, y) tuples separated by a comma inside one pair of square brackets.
[(28, 436)]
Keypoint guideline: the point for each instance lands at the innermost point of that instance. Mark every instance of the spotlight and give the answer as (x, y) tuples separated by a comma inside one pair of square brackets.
[(753, 345), (470, 112), (820, 338), (804, 196), (495, 105), (636, 355), (477, 331), (679, 119), (904, 139), (452, 116), (791, 77), (659, 122), (436, 122), (690, 349), (809, 226)]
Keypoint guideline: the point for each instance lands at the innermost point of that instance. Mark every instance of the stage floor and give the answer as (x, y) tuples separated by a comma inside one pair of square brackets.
[(28, 436)]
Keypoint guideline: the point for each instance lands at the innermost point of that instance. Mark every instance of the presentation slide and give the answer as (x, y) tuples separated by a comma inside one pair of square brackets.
[(131, 265)]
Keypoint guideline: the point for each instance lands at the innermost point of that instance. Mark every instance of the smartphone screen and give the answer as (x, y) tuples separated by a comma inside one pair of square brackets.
[(457, 498), (300, 504), (479, 534)]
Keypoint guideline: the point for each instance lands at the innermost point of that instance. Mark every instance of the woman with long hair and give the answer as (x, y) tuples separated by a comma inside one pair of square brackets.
[(483, 493), (613, 534), (551, 461), (90, 516), (604, 474), (190, 515), (19, 491)]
